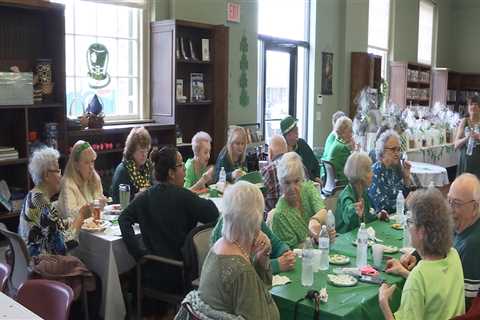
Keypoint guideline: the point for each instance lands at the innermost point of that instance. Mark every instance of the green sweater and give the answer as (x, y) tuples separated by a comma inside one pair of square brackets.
[(231, 284), (190, 176), (346, 218), (291, 225), (338, 155), (326, 149), (309, 160), (278, 247)]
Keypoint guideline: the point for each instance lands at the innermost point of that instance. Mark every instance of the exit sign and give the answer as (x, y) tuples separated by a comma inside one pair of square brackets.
[(233, 12)]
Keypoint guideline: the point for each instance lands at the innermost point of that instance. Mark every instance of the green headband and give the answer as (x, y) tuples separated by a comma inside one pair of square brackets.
[(80, 149)]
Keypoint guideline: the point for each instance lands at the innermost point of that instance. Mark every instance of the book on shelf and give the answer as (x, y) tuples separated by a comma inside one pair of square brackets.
[(205, 50), (197, 89), (179, 91), (193, 56)]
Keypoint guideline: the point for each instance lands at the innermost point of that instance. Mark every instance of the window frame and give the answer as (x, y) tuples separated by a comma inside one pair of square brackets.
[(386, 50), (434, 31)]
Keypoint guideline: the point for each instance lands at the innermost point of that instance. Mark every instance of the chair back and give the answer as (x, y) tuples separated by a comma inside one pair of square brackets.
[(201, 242), (473, 313), (47, 298), (330, 181), (191, 313), (20, 266), (4, 273)]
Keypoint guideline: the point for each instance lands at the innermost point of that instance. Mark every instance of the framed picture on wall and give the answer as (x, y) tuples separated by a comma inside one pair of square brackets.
[(327, 72)]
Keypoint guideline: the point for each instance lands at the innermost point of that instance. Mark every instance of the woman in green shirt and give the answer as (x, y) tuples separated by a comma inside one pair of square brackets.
[(197, 173), (300, 212), (434, 288), (353, 204), (236, 275)]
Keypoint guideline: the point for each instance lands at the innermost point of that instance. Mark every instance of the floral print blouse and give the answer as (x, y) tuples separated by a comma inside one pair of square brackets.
[(41, 226), (385, 185)]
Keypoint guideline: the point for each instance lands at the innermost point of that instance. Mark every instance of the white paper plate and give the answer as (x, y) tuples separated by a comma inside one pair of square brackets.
[(101, 227), (339, 259), (342, 280)]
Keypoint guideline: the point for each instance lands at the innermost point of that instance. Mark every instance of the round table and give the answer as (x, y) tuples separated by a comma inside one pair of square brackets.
[(425, 173)]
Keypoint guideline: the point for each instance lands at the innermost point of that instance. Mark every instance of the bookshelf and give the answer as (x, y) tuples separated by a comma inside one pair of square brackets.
[(365, 71), (170, 63), (410, 83)]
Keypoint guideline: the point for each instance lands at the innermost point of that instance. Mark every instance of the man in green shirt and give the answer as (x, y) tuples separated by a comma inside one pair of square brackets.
[(290, 131)]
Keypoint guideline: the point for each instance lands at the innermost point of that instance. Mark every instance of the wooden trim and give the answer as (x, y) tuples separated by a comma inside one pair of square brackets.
[(32, 4)]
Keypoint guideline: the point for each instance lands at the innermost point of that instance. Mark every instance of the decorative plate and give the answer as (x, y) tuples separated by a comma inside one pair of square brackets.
[(338, 259), (342, 280)]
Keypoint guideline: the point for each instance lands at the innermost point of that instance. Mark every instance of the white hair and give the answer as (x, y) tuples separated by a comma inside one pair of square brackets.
[(357, 167), (382, 140), (41, 161), (243, 207), (336, 116), (342, 124), (197, 140), (290, 166)]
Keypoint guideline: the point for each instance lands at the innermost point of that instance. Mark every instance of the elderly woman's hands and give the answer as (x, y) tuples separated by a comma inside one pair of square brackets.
[(84, 213), (237, 173), (359, 208), (262, 248), (287, 261), (395, 267), (384, 294), (406, 168), (408, 261)]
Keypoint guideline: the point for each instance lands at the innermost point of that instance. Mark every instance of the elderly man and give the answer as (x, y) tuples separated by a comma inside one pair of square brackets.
[(464, 199), (276, 149), (290, 131)]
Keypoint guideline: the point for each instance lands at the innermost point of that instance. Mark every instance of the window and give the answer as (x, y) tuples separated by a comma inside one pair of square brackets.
[(425, 32), (104, 50), (283, 63), (378, 30)]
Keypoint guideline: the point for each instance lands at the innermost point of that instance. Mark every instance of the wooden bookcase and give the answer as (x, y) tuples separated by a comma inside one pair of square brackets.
[(453, 88), (168, 64), (410, 83), (365, 71), (30, 30)]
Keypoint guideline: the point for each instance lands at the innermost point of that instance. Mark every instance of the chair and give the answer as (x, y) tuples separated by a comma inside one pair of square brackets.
[(200, 238), (4, 273), (330, 185), (473, 312), (20, 270), (48, 299), (191, 312)]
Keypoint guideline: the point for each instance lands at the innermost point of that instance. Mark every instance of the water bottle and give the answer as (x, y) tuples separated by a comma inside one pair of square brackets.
[(362, 246), (307, 263), (400, 206), (222, 179), (324, 249), (406, 233), (330, 220), (470, 141)]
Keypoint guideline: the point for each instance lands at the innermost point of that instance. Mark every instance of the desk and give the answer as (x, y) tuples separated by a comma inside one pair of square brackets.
[(10, 309), (359, 302), (105, 254)]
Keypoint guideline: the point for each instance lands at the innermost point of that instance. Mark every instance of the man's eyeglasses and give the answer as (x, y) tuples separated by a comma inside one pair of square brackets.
[(394, 149), (455, 204)]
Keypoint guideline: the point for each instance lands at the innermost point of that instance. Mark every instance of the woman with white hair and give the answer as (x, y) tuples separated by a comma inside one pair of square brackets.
[(353, 204), (390, 175), (81, 183), (341, 148), (232, 157), (41, 225), (197, 173), (300, 212), (236, 275)]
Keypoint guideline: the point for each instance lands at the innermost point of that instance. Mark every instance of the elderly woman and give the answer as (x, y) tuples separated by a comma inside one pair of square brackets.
[(341, 148), (232, 156), (390, 175), (469, 163), (353, 204), (236, 275), (331, 136), (197, 173), (300, 212), (41, 225), (135, 169), (434, 288), (81, 184)]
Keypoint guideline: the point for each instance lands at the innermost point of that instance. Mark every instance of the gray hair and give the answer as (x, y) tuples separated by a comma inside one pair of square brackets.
[(342, 124), (336, 116), (197, 140), (382, 140), (243, 207), (474, 184), (290, 166), (42, 160), (431, 211), (357, 167)]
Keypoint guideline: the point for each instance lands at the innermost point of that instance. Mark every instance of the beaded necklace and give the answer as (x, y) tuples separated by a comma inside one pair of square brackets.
[(242, 250)]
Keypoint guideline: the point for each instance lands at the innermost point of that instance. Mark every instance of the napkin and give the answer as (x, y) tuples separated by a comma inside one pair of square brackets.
[(280, 280), (371, 233)]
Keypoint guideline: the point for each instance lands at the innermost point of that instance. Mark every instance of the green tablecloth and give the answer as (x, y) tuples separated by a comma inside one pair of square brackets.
[(358, 302)]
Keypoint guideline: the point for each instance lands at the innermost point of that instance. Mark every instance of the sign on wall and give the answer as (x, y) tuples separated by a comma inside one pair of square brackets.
[(233, 12)]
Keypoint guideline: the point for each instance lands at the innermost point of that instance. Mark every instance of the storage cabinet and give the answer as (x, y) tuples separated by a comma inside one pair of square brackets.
[(365, 71), (410, 83)]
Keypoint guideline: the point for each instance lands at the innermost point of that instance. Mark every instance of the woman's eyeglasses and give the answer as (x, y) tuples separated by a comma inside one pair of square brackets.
[(394, 149)]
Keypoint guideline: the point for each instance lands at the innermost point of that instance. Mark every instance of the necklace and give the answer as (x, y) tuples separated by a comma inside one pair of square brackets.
[(242, 250)]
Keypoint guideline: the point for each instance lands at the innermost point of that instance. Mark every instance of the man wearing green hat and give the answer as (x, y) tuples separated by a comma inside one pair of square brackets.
[(290, 131)]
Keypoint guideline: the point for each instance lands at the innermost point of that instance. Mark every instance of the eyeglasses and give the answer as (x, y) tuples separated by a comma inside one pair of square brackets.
[(410, 222), (455, 204), (178, 165), (394, 149)]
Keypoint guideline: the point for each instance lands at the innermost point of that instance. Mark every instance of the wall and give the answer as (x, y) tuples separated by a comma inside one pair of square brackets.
[(404, 34)]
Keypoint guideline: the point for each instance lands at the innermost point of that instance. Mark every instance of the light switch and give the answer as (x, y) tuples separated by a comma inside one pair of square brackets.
[(319, 115), (319, 99)]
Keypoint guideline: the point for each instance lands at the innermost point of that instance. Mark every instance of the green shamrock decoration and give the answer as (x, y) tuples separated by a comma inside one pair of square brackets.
[(243, 81)]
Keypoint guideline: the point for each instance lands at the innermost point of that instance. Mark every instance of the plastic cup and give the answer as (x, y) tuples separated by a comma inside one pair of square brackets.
[(124, 195), (377, 252)]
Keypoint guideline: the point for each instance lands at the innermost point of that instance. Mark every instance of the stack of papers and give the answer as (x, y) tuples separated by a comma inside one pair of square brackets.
[(8, 153)]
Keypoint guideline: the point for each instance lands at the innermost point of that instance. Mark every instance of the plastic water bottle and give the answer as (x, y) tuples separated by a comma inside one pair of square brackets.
[(471, 141), (362, 246), (400, 206), (406, 233), (324, 249), (330, 220), (222, 179), (307, 263)]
